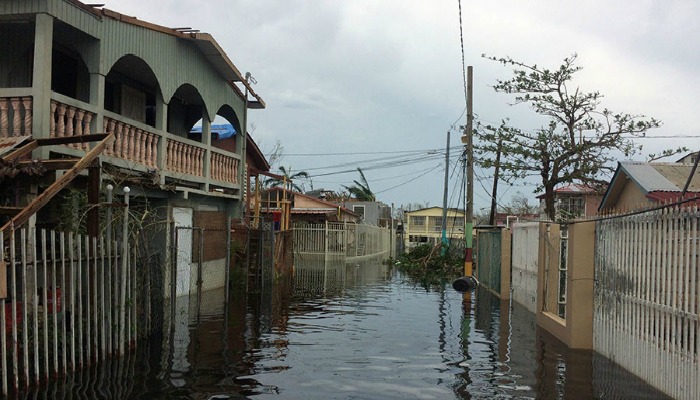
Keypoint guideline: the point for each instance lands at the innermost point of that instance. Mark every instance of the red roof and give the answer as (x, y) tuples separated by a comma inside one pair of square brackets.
[(573, 188), (670, 197)]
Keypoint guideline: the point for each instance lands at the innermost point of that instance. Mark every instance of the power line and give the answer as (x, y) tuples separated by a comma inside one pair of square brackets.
[(410, 180), (461, 42)]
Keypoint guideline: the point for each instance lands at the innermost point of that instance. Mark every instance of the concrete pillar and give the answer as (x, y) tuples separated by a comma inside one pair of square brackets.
[(580, 285), (41, 81), (162, 126), (206, 141), (505, 264)]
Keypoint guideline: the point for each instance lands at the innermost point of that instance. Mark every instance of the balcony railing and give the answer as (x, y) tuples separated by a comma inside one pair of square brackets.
[(15, 116), (134, 142), (184, 158), (68, 120)]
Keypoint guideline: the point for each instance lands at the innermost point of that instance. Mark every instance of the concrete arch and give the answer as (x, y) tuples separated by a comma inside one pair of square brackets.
[(185, 108), (132, 89)]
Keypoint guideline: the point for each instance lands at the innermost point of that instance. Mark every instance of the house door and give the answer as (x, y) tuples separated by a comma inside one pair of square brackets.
[(183, 249)]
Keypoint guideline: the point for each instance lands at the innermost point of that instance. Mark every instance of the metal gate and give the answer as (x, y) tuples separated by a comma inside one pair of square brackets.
[(488, 261), (647, 297)]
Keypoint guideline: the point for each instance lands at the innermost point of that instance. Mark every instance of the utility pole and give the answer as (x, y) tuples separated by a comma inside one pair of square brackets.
[(468, 141), (444, 195)]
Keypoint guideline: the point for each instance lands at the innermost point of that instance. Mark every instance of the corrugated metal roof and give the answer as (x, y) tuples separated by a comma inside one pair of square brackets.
[(661, 197), (653, 177)]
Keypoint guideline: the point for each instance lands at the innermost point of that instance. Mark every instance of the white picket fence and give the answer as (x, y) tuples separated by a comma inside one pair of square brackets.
[(353, 241), (646, 297)]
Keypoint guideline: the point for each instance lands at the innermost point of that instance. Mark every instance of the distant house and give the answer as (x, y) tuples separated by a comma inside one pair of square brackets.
[(573, 201), (688, 158), (305, 208), (371, 212), (425, 226), (503, 219), (638, 185)]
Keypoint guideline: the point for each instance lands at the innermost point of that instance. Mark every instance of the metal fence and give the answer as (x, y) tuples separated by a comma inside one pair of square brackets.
[(646, 297), (525, 246), (488, 263), (350, 240), (71, 301)]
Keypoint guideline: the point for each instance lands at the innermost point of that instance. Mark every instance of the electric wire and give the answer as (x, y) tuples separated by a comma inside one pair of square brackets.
[(408, 181)]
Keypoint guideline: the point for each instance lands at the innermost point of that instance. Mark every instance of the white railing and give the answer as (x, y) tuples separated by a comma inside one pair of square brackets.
[(349, 240), (646, 297), (71, 302)]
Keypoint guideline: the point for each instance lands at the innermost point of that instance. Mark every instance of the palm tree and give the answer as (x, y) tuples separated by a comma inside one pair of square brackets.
[(289, 177), (361, 191)]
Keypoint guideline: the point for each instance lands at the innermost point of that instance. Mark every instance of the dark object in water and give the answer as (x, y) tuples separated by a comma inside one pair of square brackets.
[(465, 284)]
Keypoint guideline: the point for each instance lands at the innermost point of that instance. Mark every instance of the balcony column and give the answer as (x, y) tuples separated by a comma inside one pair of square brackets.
[(162, 126), (206, 141), (41, 81), (97, 95)]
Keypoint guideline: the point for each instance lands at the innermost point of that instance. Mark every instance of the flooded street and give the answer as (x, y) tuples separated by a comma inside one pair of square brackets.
[(355, 332)]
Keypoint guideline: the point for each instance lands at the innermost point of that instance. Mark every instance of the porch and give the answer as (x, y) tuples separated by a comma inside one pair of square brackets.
[(138, 147)]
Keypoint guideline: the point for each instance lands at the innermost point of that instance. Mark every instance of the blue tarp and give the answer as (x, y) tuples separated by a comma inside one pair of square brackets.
[(219, 132)]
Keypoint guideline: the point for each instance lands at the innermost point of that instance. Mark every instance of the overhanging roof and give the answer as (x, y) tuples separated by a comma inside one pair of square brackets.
[(650, 178), (206, 44)]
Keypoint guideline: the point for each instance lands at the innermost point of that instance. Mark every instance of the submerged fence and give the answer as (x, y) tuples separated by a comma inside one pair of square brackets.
[(646, 297), (70, 301), (350, 240)]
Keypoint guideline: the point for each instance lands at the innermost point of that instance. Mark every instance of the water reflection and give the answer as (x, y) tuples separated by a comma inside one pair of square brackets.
[(351, 331)]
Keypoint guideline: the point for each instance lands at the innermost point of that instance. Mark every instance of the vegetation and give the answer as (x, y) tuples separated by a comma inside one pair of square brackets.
[(289, 178), (429, 266), (576, 143), (360, 190)]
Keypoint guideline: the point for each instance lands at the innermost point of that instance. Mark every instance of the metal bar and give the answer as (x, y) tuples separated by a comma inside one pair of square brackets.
[(103, 310), (79, 241), (35, 307), (87, 279), (44, 294), (127, 310), (64, 332), (95, 309), (3, 330), (110, 269), (23, 294), (54, 303), (71, 256), (125, 252), (134, 298)]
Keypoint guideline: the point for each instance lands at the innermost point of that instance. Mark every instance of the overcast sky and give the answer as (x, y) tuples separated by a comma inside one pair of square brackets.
[(384, 77)]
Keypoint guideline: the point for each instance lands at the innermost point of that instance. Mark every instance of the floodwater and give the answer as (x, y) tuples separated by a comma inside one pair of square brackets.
[(357, 331)]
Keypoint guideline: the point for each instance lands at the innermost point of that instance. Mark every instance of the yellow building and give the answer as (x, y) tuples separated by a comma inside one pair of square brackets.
[(425, 226)]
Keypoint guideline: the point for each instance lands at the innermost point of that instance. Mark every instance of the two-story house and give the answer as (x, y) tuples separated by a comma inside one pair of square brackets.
[(70, 69), (574, 201), (424, 226)]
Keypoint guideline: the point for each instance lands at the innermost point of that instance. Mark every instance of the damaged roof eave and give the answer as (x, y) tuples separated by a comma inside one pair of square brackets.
[(218, 58)]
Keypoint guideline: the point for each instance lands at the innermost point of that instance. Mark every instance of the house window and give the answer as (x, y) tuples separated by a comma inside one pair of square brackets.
[(360, 210), (436, 223), (418, 221), (571, 206)]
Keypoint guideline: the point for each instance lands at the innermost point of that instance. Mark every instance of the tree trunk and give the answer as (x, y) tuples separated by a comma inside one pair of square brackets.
[(549, 209), (494, 192)]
